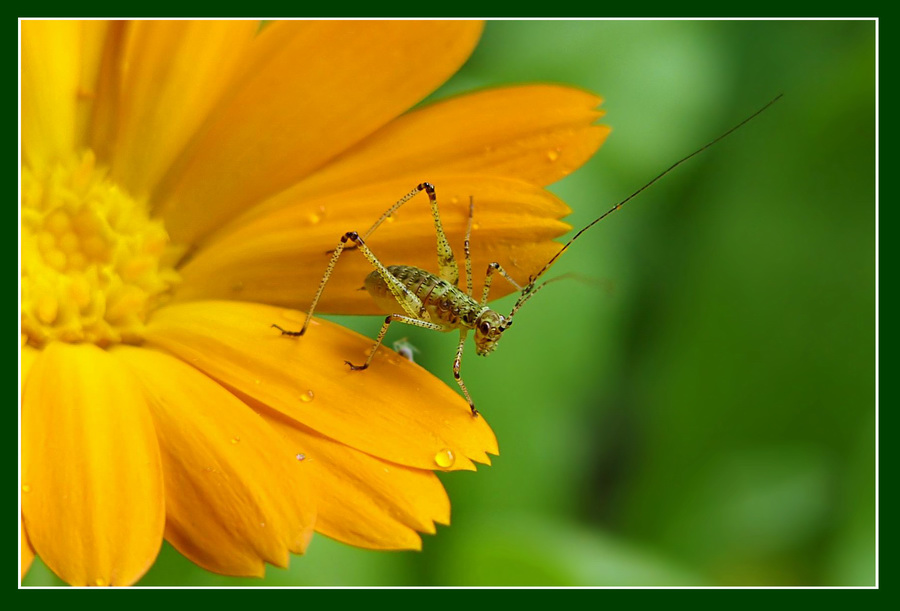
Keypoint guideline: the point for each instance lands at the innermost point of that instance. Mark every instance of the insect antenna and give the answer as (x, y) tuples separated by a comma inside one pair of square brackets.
[(530, 289)]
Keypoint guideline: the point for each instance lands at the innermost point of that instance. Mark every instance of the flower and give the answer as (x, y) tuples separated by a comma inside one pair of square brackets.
[(181, 184)]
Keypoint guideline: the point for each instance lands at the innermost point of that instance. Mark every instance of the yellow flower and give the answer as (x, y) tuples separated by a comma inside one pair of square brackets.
[(181, 185)]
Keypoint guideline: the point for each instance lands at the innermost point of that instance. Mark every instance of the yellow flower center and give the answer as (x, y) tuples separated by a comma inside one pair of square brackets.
[(94, 263)]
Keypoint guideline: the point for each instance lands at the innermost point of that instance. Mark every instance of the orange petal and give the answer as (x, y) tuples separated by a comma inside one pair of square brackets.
[(174, 72), (64, 71), (91, 479), (50, 76), (235, 492), (279, 257), (366, 501), (306, 92), (536, 133), (101, 88), (394, 410), (29, 356), (95, 36), (27, 553)]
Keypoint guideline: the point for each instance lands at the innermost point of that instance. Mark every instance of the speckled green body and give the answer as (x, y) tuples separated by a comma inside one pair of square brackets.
[(442, 302)]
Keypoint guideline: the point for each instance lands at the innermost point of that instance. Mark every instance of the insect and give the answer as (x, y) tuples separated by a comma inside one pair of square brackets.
[(417, 297)]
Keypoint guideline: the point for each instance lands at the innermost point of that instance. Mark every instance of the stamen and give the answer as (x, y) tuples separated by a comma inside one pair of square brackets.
[(93, 261)]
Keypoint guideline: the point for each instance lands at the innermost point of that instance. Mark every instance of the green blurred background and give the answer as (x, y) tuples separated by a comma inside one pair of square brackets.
[(703, 413)]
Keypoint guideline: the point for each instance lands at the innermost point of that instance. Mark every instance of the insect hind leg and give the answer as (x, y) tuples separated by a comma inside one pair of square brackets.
[(448, 269), (411, 304)]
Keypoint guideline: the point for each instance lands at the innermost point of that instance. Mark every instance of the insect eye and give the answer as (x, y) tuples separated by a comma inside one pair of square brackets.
[(485, 327)]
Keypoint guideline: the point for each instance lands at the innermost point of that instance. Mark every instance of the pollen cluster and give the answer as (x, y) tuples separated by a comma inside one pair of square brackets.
[(94, 263)]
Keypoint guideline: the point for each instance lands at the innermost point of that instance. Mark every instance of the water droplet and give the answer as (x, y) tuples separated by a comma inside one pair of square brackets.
[(390, 219), (553, 155), (307, 396), (454, 200), (26, 488), (313, 218), (444, 458), (301, 456), (100, 582), (235, 440), (475, 226), (257, 381)]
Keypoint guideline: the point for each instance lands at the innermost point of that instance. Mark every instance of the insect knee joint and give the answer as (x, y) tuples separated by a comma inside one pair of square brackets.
[(351, 235)]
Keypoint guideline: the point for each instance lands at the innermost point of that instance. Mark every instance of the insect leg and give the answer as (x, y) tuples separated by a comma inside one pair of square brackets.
[(488, 278), (469, 288), (448, 269), (456, 364), (411, 304), (446, 261), (387, 323), (392, 210), (312, 307)]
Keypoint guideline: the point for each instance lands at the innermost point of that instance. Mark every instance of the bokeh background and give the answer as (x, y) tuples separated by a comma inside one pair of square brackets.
[(701, 411)]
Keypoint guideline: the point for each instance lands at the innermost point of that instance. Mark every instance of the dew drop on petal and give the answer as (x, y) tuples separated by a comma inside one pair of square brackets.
[(100, 582), (444, 458), (301, 456), (308, 396), (235, 440), (553, 155), (313, 218), (26, 488)]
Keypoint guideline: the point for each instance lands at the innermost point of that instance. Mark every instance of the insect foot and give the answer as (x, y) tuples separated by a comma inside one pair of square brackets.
[(357, 367), (291, 333)]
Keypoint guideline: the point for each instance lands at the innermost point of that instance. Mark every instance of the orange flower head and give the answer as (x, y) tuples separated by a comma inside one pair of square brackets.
[(181, 185)]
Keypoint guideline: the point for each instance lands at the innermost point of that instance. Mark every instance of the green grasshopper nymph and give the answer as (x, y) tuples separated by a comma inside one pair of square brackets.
[(417, 297)]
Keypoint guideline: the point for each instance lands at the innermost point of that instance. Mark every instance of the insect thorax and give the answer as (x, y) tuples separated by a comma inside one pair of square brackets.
[(444, 303)]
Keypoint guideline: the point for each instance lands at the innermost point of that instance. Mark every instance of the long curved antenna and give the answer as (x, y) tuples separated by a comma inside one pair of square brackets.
[(528, 291)]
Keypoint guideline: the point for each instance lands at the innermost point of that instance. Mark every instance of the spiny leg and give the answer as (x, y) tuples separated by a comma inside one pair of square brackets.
[(407, 299), (387, 323), (469, 287), (390, 211), (456, 363), (447, 267), (312, 307), (488, 278), (446, 261)]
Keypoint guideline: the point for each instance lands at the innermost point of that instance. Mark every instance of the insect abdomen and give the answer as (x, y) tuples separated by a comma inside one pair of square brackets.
[(444, 303)]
